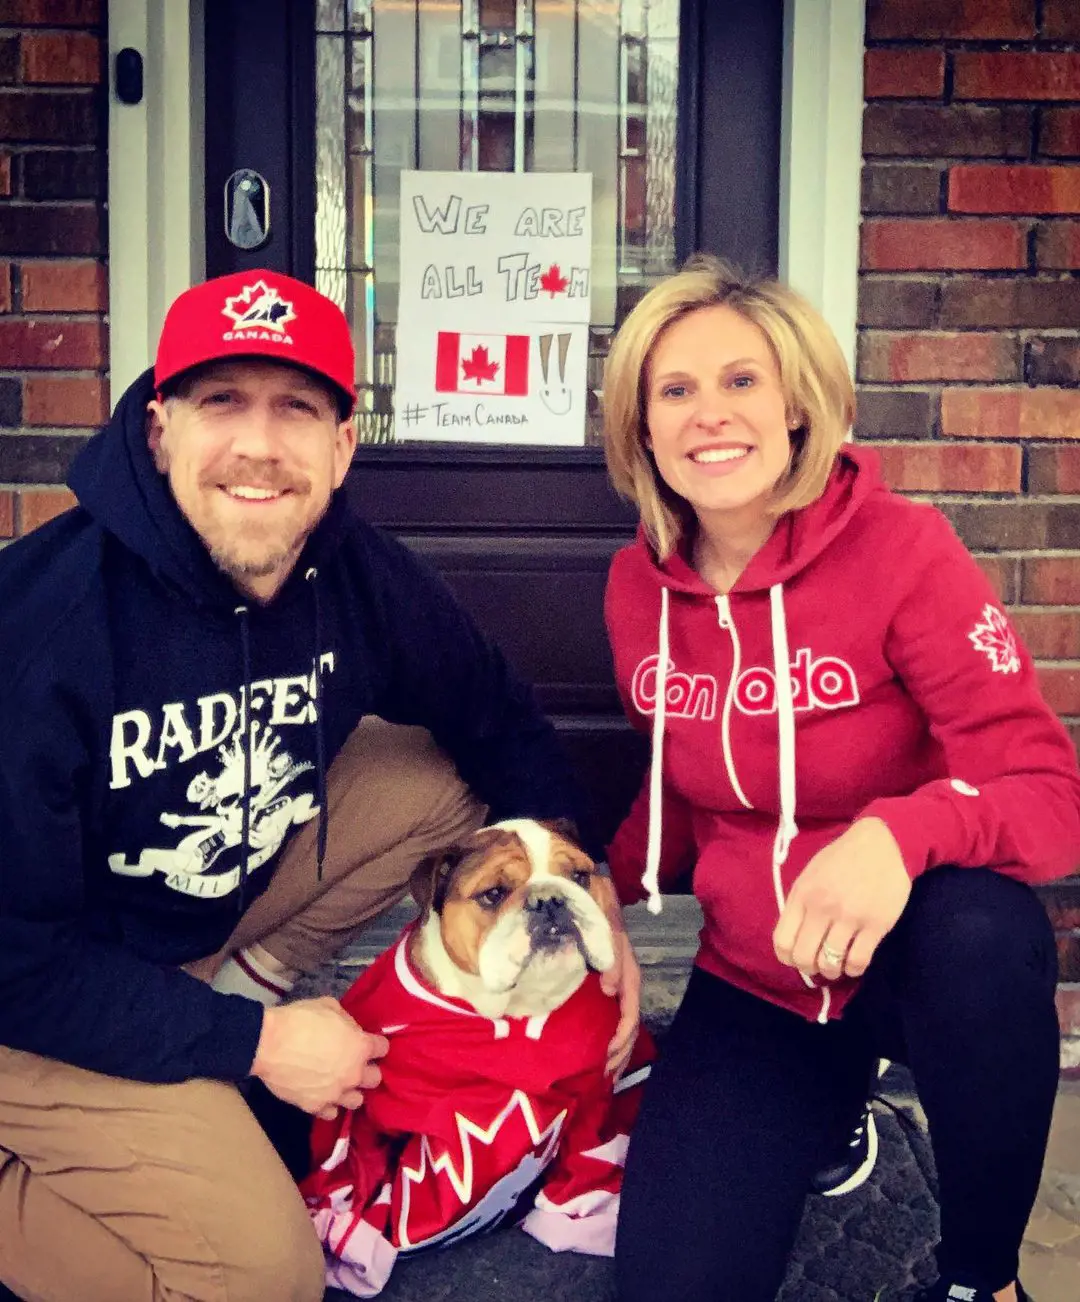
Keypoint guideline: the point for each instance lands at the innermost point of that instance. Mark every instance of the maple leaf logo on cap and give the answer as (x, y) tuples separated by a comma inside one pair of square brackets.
[(259, 305)]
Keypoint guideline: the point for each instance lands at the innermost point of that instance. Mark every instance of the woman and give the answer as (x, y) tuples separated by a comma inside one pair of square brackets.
[(850, 749)]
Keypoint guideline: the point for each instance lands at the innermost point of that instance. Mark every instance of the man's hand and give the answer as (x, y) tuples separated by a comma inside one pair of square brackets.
[(312, 1054), (847, 898)]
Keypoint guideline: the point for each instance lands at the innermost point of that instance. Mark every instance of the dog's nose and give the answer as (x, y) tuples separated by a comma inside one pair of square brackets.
[(549, 916)]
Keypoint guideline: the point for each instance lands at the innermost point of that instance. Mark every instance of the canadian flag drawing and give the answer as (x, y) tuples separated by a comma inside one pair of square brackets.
[(482, 364)]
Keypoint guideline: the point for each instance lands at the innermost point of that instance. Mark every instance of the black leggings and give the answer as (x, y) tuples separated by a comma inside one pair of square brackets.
[(748, 1100)]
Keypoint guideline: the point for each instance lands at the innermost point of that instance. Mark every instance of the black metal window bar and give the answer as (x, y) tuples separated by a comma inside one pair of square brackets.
[(490, 85)]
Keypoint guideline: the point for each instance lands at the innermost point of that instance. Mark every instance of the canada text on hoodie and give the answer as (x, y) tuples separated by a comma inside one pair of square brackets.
[(126, 786), (861, 666)]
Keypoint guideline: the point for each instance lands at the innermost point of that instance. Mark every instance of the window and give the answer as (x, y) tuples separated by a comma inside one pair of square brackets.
[(490, 85)]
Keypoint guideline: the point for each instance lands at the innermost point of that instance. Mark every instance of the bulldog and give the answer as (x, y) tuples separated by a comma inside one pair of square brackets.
[(494, 1104), (513, 920)]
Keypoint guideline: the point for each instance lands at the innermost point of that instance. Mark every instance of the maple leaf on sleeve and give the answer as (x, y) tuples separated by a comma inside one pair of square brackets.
[(553, 280), (477, 366)]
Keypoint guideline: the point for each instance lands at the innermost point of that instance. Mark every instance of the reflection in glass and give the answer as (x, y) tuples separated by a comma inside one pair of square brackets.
[(490, 85)]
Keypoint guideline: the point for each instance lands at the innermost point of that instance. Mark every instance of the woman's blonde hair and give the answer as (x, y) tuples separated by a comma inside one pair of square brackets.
[(818, 396)]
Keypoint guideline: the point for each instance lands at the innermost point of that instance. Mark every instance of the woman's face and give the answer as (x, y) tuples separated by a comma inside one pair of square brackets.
[(716, 417)]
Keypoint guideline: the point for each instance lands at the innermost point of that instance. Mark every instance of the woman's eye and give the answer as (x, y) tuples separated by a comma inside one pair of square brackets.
[(742, 381), (673, 391), (493, 897)]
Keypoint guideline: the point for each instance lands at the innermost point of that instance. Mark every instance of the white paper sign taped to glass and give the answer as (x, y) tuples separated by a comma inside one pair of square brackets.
[(469, 386), (484, 248)]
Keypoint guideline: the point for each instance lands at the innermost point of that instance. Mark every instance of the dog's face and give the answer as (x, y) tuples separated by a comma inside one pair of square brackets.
[(513, 918)]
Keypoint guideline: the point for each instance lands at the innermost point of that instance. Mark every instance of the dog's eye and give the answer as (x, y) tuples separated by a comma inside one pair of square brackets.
[(581, 877), (493, 897)]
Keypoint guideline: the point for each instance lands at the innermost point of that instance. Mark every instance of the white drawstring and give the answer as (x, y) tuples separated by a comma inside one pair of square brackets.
[(727, 622), (787, 829), (651, 879)]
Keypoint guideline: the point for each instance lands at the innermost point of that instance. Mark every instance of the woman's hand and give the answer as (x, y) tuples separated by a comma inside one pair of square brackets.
[(847, 898), (623, 979)]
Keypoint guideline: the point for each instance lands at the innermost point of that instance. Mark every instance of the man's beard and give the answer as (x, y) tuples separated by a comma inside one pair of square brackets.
[(258, 568)]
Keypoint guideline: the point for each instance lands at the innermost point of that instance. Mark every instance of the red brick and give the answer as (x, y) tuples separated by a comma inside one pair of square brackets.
[(7, 515), (938, 356), (950, 467), (1061, 688), (1049, 634), (1061, 20), (894, 128), (1004, 188), (5, 286), (64, 287), (1053, 361), (60, 345), (67, 400), (982, 302), (1011, 413), (53, 117), (904, 74), (1016, 76), (1053, 469), (1057, 246), (1059, 132), (1050, 580), (928, 20), (39, 507), (61, 59), (51, 13), (939, 243), (1001, 572), (5, 175)]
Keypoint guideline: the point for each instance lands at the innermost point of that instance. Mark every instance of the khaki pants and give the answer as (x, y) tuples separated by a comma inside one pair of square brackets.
[(116, 1191)]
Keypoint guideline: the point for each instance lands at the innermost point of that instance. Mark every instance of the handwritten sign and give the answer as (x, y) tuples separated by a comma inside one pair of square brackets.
[(492, 335)]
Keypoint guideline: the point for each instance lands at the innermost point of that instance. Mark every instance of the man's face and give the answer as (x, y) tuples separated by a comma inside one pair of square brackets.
[(252, 451)]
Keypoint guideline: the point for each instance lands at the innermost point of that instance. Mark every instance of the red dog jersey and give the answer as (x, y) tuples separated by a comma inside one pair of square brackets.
[(471, 1114)]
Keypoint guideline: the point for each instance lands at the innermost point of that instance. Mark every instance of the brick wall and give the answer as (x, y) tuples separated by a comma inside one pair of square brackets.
[(53, 279), (969, 311)]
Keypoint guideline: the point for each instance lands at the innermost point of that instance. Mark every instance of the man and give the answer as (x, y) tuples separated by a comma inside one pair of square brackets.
[(191, 809)]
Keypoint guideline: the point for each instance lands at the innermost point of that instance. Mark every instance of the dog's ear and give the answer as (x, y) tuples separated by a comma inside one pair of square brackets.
[(564, 827), (431, 877)]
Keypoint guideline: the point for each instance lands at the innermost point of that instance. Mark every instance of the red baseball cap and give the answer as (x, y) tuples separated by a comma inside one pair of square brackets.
[(257, 314)]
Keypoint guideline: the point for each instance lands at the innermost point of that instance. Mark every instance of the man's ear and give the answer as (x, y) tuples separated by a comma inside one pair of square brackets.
[(430, 879), (155, 428)]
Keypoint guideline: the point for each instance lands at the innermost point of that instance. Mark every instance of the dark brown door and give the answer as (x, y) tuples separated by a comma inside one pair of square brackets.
[(672, 105)]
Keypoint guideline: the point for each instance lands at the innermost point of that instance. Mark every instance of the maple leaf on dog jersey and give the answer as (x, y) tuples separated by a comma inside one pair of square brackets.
[(478, 366), (553, 280)]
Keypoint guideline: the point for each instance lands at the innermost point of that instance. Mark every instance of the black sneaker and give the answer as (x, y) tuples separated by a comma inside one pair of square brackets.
[(943, 1291), (853, 1166)]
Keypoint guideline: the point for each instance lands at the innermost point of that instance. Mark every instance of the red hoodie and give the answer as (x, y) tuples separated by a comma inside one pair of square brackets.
[(911, 700)]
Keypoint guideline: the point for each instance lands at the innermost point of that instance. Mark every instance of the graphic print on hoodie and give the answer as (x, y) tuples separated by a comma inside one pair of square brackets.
[(135, 823), (906, 697)]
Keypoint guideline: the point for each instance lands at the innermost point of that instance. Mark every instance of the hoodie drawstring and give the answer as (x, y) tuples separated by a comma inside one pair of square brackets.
[(320, 742), (724, 619), (787, 829), (651, 879), (245, 750)]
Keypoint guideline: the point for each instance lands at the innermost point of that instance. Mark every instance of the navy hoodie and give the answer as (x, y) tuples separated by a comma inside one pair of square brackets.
[(125, 789)]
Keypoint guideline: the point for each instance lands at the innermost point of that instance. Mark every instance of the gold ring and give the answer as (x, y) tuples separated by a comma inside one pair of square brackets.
[(831, 956)]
